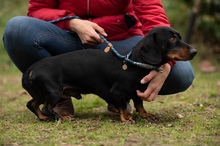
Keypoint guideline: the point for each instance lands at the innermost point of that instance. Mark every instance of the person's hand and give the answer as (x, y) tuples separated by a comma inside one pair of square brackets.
[(87, 31), (156, 81)]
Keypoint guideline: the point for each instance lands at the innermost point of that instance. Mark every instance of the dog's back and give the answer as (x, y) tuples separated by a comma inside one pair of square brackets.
[(87, 71)]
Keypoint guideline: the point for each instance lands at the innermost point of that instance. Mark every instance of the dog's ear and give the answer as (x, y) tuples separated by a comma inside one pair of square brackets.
[(149, 51)]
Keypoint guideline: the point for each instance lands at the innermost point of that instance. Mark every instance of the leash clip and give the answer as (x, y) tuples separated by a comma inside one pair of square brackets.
[(108, 48), (124, 66)]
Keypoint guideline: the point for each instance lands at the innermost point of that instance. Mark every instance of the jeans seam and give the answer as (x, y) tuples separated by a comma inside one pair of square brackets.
[(37, 40)]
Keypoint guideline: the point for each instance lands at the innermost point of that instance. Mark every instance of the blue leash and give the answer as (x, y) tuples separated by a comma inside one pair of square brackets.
[(110, 46)]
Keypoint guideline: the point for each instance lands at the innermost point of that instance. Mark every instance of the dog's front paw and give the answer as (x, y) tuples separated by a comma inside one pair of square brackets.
[(150, 117), (129, 120), (125, 116)]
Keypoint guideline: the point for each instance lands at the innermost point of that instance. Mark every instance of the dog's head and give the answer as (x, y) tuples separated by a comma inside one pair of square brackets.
[(163, 44)]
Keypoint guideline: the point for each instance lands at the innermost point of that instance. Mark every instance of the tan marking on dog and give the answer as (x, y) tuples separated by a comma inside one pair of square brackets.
[(30, 77), (142, 112), (40, 116), (180, 54), (125, 116)]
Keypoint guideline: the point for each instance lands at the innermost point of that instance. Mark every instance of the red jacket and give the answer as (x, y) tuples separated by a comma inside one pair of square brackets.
[(107, 14)]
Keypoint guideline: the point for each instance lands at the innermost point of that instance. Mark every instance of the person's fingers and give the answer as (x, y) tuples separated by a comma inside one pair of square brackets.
[(156, 81), (149, 77), (90, 39), (153, 94), (99, 30), (88, 32), (143, 95), (153, 88), (149, 94), (92, 42)]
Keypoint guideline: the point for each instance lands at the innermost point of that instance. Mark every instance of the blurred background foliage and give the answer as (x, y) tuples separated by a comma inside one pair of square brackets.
[(208, 18), (199, 23), (204, 34)]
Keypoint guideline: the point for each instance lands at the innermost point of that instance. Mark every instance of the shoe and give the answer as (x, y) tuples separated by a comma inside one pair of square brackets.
[(65, 108)]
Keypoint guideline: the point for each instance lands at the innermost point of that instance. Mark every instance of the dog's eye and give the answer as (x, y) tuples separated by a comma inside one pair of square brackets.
[(172, 40)]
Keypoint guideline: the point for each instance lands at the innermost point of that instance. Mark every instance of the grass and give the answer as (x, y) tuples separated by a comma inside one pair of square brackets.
[(93, 125), (9, 9)]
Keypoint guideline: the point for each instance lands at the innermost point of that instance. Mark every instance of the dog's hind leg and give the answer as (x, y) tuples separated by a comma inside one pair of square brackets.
[(51, 101), (33, 106)]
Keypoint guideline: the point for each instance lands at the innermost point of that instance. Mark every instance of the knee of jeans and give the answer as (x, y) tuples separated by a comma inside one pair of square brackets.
[(13, 24), (179, 80), (187, 82), (14, 30)]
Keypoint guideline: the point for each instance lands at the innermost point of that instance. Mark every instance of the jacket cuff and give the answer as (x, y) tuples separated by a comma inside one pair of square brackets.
[(63, 22), (172, 63), (67, 21)]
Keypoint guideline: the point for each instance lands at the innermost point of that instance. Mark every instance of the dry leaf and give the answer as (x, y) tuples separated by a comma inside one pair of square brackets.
[(179, 116), (218, 83)]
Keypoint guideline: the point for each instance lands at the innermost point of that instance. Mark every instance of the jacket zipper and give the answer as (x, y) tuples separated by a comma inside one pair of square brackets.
[(88, 5)]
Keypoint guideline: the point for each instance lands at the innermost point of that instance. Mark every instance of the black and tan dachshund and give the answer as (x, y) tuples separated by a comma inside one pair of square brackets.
[(98, 72)]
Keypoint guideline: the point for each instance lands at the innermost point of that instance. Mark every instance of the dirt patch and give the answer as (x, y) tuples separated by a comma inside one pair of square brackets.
[(10, 79)]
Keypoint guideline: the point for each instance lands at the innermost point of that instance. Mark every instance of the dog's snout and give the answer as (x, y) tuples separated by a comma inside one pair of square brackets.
[(193, 52)]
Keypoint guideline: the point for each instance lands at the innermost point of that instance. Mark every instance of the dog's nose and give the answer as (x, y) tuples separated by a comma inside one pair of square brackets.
[(193, 52)]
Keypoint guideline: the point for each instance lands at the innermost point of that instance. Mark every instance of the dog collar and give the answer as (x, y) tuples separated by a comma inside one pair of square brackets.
[(126, 58)]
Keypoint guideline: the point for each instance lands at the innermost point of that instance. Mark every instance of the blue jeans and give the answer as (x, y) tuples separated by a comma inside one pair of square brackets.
[(28, 40)]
